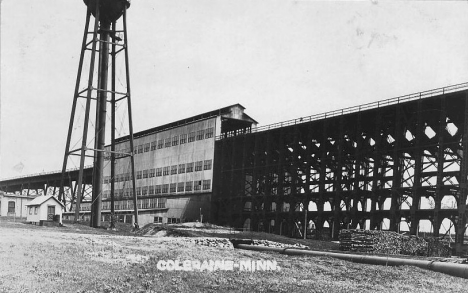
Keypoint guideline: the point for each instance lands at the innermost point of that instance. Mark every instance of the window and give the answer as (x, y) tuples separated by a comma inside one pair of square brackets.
[(158, 189), (140, 149), (180, 187), (138, 191), (189, 167), (127, 192), (198, 166), (139, 174), (173, 220), (145, 173), (30, 210), (173, 169), (167, 142), (151, 190), (153, 145), (161, 203), (11, 207), (175, 140), (209, 132), (173, 187), (206, 184), (35, 210), (183, 138), (200, 134), (188, 186), (197, 185), (158, 219), (153, 203), (181, 168), (191, 137), (158, 172), (147, 147), (166, 171), (135, 150), (151, 173), (207, 165), (165, 188), (144, 190), (160, 143)]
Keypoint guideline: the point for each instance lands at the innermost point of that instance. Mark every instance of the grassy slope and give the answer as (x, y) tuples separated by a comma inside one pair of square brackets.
[(80, 259)]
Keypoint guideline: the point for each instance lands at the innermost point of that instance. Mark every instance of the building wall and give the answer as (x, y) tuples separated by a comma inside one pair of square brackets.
[(34, 214), (183, 209), (176, 164), (20, 206)]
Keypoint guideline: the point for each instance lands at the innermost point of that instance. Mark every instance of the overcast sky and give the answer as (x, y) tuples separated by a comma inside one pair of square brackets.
[(279, 59)]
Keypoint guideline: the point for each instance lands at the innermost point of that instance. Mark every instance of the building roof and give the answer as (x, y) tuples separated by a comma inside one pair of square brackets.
[(42, 199), (16, 196), (214, 113)]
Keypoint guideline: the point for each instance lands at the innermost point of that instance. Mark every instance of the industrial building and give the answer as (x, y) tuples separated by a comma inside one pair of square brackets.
[(173, 166)]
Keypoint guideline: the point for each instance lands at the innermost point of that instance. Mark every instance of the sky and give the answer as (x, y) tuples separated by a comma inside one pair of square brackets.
[(281, 60)]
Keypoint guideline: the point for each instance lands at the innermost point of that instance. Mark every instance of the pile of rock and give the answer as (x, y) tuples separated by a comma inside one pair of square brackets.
[(276, 244), (437, 247), (388, 242), (214, 242)]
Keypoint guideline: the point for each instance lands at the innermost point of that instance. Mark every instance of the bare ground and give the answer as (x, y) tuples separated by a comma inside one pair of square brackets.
[(76, 258)]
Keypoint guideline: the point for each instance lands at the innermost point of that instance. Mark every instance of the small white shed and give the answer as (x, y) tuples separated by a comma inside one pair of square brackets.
[(45, 209)]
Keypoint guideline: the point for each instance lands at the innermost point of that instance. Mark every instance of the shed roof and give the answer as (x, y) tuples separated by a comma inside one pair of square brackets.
[(42, 199), (16, 196)]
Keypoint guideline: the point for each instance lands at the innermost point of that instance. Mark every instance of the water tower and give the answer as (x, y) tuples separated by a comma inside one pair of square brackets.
[(103, 39)]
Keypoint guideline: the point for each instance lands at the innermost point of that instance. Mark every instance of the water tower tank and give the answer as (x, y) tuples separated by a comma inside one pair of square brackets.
[(110, 10)]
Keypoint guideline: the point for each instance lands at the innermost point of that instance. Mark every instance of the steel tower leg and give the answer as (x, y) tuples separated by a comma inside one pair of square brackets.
[(113, 105), (100, 130), (75, 99), (130, 121)]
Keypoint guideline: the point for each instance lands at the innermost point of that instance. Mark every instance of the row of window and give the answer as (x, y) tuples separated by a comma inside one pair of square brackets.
[(169, 220), (146, 203), (164, 171), (188, 186), (170, 141), (31, 210)]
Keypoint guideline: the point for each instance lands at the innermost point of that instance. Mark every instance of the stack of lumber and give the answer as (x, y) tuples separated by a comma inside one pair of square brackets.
[(357, 240), (387, 242)]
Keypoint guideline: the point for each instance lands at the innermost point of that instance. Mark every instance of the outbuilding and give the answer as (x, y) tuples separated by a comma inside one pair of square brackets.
[(14, 206), (45, 209)]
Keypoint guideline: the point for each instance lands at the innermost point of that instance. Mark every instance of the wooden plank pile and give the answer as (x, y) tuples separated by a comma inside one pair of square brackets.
[(388, 242)]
